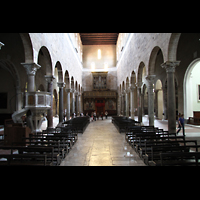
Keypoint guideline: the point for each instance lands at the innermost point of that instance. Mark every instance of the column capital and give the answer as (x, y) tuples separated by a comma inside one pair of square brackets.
[(68, 90), (1, 44), (31, 68), (132, 87), (139, 84), (73, 90), (150, 78), (126, 91), (76, 93), (49, 78), (61, 84), (170, 65)]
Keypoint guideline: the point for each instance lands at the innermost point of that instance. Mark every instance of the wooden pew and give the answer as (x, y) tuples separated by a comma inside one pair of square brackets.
[(179, 159), (65, 144), (56, 144), (151, 157), (28, 156), (122, 123)]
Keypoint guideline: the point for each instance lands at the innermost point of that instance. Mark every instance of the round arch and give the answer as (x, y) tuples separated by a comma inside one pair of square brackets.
[(152, 59), (67, 80), (140, 71), (72, 83), (28, 47), (133, 78), (59, 70), (191, 88), (76, 86), (172, 48), (44, 60), (123, 86), (127, 83)]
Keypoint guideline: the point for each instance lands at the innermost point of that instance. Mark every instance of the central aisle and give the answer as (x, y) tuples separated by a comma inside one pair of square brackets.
[(102, 145)]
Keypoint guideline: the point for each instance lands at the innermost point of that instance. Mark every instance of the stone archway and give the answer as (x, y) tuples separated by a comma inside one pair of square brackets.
[(191, 89)]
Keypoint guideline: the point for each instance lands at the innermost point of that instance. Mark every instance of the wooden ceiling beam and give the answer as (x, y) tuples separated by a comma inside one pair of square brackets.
[(99, 38)]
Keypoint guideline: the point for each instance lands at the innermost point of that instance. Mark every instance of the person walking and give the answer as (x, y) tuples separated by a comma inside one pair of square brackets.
[(106, 114), (181, 124), (95, 115), (102, 115)]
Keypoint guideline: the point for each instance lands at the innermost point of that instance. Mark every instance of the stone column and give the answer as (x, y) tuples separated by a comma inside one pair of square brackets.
[(139, 85), (132, 88), (156, 103), (77, 103), (127, 103), (49, 79), (165, 102), (80, 103), (171, 101), (123, 104), (119, 105), (68, 103), (73, 102), (150, 79), (61, 85), (18, 98), (31, 69)]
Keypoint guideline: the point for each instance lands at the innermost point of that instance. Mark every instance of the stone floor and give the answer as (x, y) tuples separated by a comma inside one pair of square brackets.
[(102, 145)]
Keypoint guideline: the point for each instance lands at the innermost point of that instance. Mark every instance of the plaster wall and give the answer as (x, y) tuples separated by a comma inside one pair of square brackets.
[(60, 49), (90, 55)]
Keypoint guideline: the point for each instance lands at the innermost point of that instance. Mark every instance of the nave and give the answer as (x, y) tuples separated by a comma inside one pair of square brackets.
[(102, 145)]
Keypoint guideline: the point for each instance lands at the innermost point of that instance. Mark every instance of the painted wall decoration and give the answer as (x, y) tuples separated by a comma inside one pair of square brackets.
[(110, 104), (89, 104)]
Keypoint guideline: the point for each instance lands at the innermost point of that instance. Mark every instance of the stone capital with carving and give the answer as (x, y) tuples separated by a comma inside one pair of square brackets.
[(170, 66), (132, 87), (126, 91), (150, 78), (139, 84), (31, 68), (67, 90), (61, 84), (49, 78)]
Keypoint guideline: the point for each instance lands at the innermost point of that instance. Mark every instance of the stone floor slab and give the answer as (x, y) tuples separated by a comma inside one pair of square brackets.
[(101, 145)]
